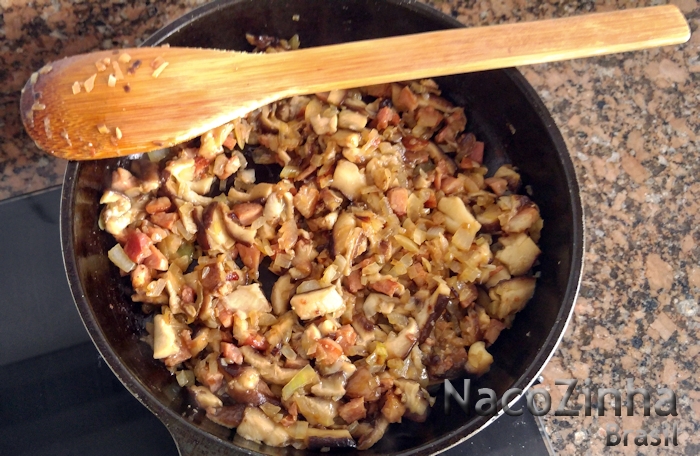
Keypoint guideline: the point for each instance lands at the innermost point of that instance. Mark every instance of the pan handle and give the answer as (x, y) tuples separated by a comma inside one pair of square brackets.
[(192, 443)]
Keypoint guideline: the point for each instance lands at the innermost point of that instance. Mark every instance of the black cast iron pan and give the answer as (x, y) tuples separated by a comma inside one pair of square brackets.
[(503, 110)]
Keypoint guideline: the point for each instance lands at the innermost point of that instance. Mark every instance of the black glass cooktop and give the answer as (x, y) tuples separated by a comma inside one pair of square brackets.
[(57, 395)]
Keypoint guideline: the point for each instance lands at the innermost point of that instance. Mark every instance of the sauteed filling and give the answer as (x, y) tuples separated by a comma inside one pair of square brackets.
[(397, 261)]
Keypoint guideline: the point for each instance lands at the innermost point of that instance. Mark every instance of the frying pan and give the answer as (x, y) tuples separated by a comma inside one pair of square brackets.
[(502, 110)]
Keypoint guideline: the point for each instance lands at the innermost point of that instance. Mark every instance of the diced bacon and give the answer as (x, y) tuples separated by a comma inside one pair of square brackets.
[(231, 353), (428, 117), (398, 200), (467, 163), (451, 185), (161, 204), (477, 153), (247, 213), (431, 202), (498, 184), (224, 315), (291, 417), (353, 410), (250, 256), (407, 100), (414, 144), (385, 117), (327, 351), (346, 336), (137, 246), (165, 219), (187, 294), (156, 260), (386, 286), (123, 180), (229, 142), (354, 282), (257, 341)]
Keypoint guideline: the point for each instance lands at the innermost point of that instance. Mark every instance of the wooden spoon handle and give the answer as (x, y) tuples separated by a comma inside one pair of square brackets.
[(199, 89), (484, 48)]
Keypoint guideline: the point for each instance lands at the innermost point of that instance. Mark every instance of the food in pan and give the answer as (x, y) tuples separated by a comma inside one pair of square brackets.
[(397, 262)]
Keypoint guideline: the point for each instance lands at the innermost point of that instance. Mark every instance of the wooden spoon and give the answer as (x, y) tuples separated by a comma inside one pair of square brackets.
[(113, 103)]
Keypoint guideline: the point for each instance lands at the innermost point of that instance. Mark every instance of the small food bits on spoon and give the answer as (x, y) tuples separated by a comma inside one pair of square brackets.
[(89, 83), (134, 66), (76, 88), (117, 71), (160, 69)]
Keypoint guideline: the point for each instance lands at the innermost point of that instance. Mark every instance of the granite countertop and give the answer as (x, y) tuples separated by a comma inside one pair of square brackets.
[(632, 125)]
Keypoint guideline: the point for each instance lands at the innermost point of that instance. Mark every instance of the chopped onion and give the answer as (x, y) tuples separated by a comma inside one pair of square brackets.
[(304, 377), (119, 257), (288, 352), (406, 243), (185, 378), (269, 409), (157, 155)]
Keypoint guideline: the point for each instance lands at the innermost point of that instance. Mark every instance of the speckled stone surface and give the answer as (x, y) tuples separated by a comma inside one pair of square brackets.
[(632, 125)]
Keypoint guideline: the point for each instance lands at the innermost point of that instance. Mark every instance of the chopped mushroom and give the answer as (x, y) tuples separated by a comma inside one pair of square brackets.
[(256, 426), (510, 296), (247, 298), (316, 303), (400, 345), (519, 253), (332, 387), (329, 438), (348, 179), (165, 340), (317, 411), (282, 292)]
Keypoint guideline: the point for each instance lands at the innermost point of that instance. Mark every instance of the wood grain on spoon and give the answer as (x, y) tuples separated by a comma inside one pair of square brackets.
[(164, 96)]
